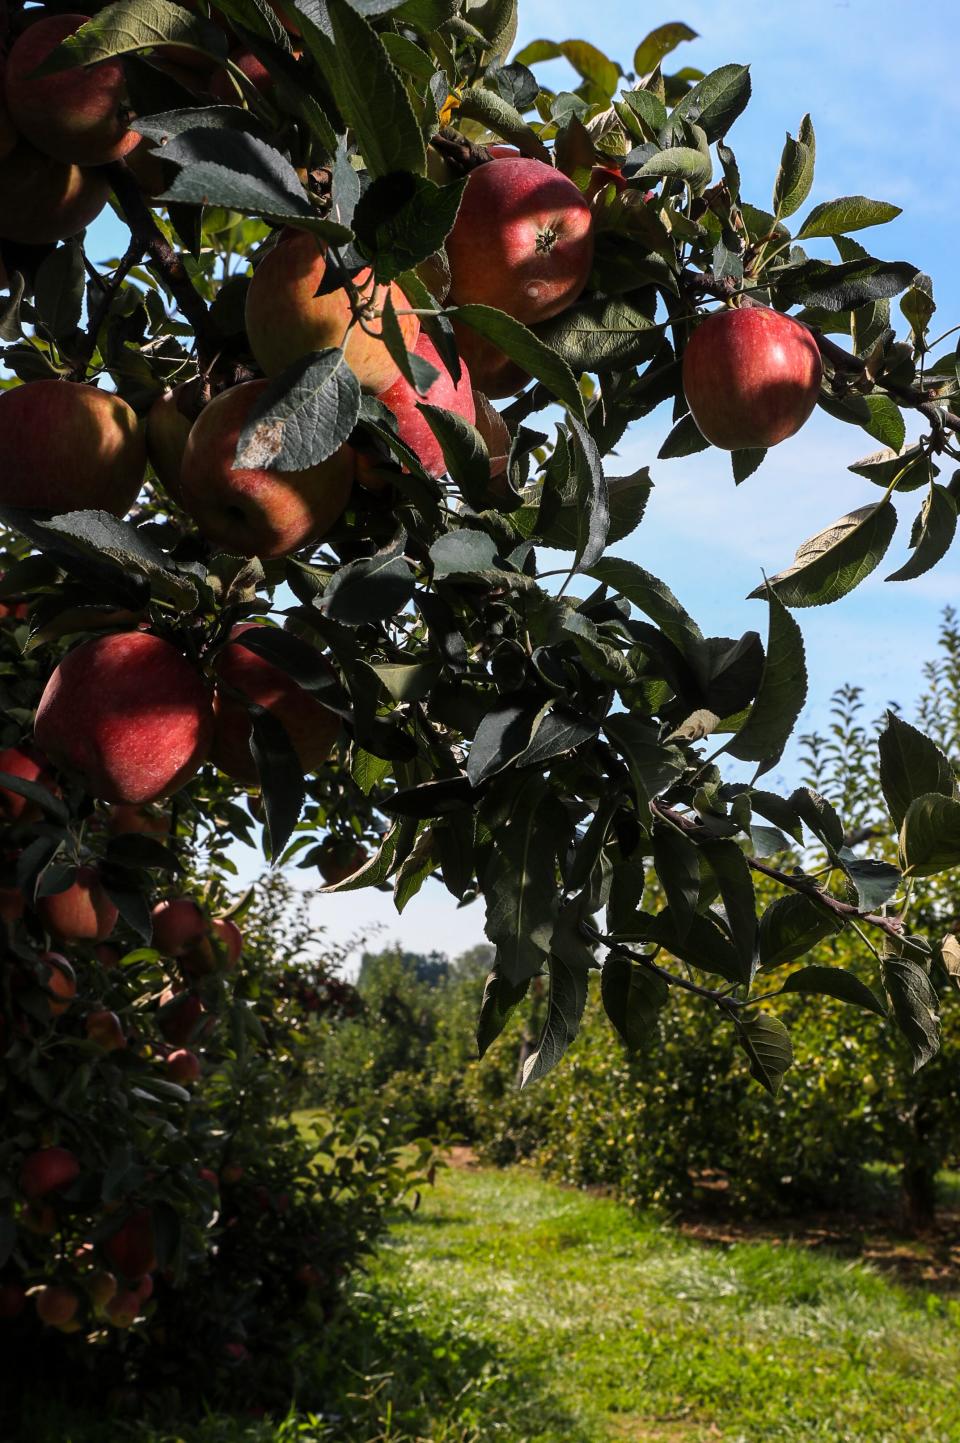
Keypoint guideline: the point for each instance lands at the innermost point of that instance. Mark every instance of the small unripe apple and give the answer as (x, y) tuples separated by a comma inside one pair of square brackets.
[(256, 511), (56, 1306), (412, 426), (751, 377), (45, 200), (287, 319), (105, 1029), (77, 115), (82, 913), (69, 447), (60, 981), (130, 714), (47, 1171), (183, 1067), (132, 1248), (101, 1287), (178, 925), (311, 727), (522, 241)]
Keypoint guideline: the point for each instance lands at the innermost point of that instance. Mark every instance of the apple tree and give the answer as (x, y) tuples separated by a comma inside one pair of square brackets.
[(274, 536)]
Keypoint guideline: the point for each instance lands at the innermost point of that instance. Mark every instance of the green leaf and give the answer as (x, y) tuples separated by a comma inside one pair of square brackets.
[(705, 944), (934, 530), (685, 439), (592, 504), (123, 28), (464, 451), (565, 1003), (237, 170), (520, 888), (303, 416), (732, 871), (522, 346), (603, 333), (374, 588), (914, 1004), (465, 553), (930, 836), (499, 999), (501, 736), (586, 59), (658, 45), (633, 998), (98, 536), (837, 559), (781, 695), (58, 291), (745, 461), (653, 765), (843, 287), (835, 982), (790, 927), (681, 163), (876, 881), (676, 861), (911, 765), (357, 68), (281, 777), (852, 212), (717, 100), (651, 596), (627, 497), (819, 816), (795, 176), (401, 219), (912, 466), (500, 117), (767, 1044)]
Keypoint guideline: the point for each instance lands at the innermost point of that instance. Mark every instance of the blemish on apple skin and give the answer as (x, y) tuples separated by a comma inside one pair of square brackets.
[(264, 445), (533, 290)]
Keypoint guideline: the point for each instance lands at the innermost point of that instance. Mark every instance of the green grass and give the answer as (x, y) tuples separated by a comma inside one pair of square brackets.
[(511, 1309)]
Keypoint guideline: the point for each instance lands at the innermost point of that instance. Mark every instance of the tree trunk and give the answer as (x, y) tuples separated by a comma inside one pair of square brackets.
[(918, 1195)]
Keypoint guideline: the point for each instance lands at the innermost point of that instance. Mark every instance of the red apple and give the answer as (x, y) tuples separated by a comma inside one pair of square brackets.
[(47, 1171), (522, 240), (751, 377), (311, 727), (232, 1173), (183, 1067), (66, 447), (60, 981), (602, 176), (144, 1289), (132, 1249), (106, 1030), (56, 1306), (45, 200), (287, 319), (259, 511), (207, 1175), (128, 712), (412, 426), (222, 87), (19, 763), (491, 370), (340, 859), (178, 925), (82, 913), (107, 955), (179, 1017), (125, 818), (230, 939), (123, 1309), (77, 115)]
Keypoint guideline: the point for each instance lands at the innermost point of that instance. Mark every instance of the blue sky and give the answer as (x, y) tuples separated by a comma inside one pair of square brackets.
[(880, 81)]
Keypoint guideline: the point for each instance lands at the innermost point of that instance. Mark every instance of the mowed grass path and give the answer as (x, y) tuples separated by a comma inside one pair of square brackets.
[(523, 1311)]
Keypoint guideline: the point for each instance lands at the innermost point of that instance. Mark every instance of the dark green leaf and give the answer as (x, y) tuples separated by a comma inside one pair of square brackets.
[(819, 816), (914, 1005), (837, 559), (876, 882), (790, 927), (911, 765), (501, 737), (680, 163), (936, 528), (650, 596), (565, 1003), (835, 982), (930, 836), (464, 553), (593, 509), (782, 692), (58, 290), (281, 777), (122, 28), (303, 416), (372, 589), (633, 998), (499, 999), (653, 765), (520, 889), (704, 944), (464, 451), (852, 212), (603, 333), (402, 218), (795, 176), (500, 117), (732, 871), (686, 439), (522, 346), (766, 1042), (717, 100), (677, 863), (843, 287)]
